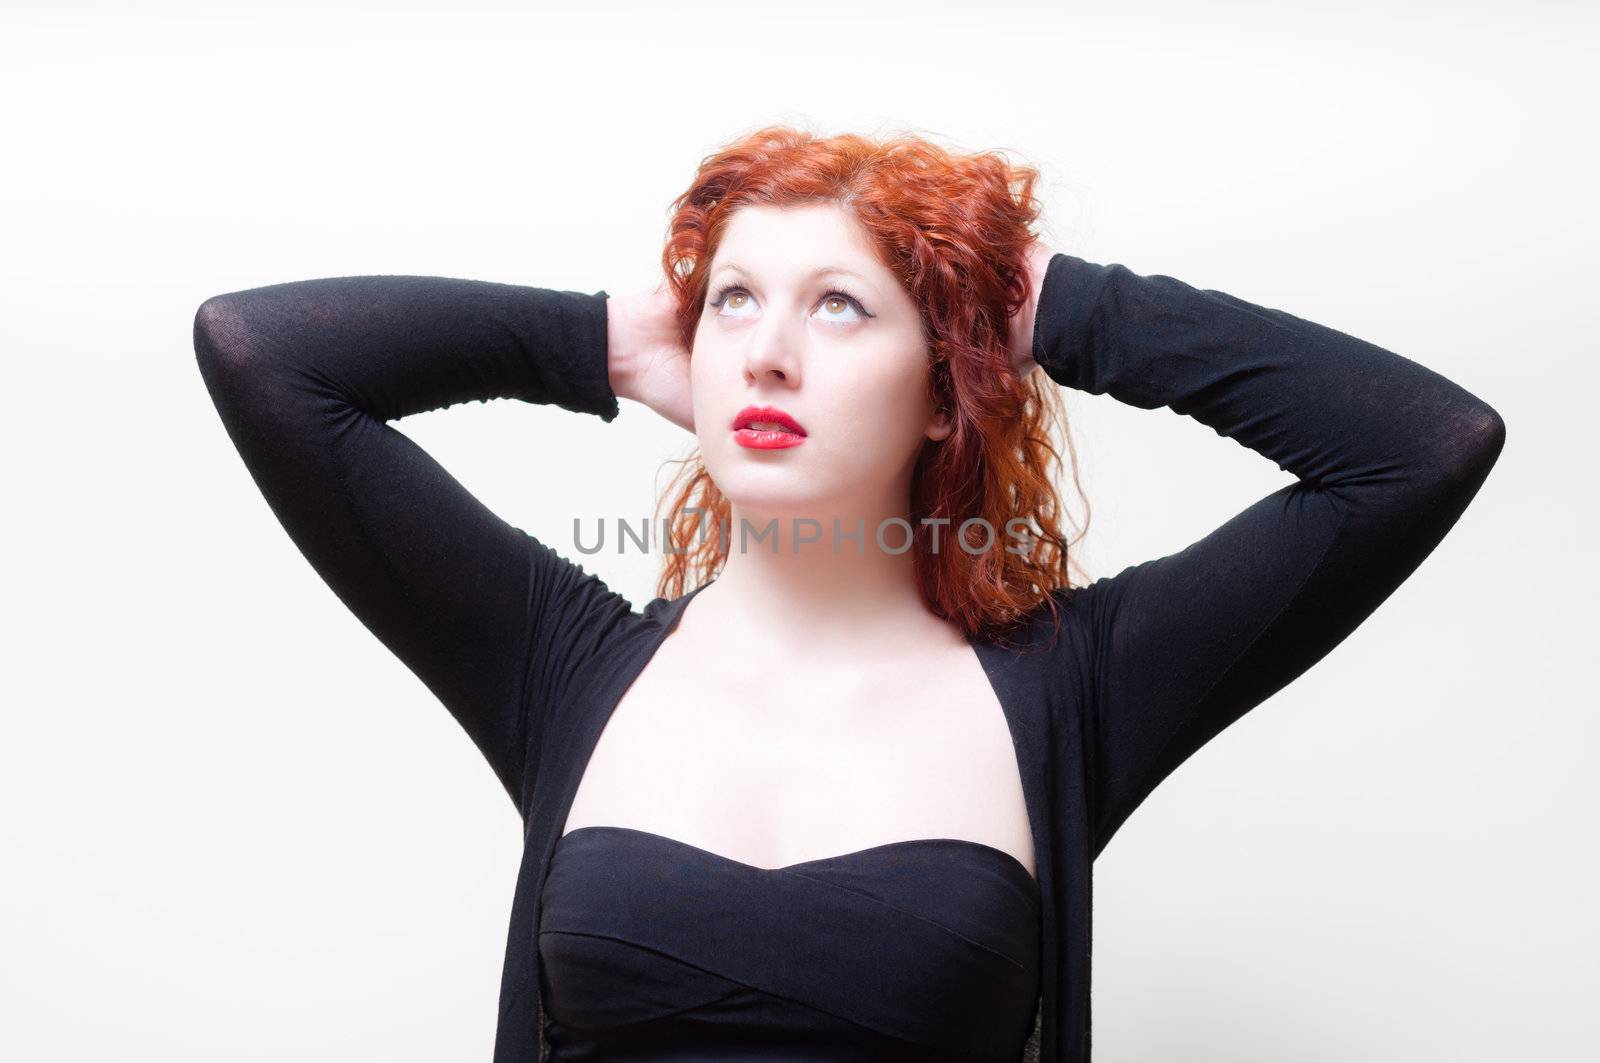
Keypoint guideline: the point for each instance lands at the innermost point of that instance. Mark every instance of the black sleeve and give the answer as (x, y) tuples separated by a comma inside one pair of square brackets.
[(306, 375), (1387, 455)]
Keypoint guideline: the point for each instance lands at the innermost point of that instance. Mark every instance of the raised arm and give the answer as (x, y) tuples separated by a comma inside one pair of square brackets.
[(1387, 454), (305, 376)]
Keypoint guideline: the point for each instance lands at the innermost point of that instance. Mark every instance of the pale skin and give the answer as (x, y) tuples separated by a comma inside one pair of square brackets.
[(808, 703)]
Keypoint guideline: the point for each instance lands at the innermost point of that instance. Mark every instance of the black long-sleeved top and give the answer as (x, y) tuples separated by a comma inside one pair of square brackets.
[(530, 653)]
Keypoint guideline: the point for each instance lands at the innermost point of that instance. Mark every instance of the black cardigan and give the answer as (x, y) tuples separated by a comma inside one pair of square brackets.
[(530, 653)]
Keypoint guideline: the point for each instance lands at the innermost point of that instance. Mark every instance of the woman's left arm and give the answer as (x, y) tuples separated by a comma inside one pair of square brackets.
[(1387, 454)]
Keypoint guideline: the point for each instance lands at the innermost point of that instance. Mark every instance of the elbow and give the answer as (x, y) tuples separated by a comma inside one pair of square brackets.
[(1478, 443), (1462, 456), (220, 336), (1494, 434)]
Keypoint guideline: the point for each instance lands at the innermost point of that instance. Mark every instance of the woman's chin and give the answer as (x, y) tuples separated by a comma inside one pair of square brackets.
[(766, 505), (760, 502)]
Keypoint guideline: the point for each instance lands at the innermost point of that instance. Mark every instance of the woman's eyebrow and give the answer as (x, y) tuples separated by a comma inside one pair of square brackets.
[(821, 271)]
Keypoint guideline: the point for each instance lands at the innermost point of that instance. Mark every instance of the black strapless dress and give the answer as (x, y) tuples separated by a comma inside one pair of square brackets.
[(653, 949)]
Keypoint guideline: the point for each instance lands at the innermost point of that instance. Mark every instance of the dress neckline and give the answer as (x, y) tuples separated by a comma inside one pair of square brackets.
[(1014, 867)]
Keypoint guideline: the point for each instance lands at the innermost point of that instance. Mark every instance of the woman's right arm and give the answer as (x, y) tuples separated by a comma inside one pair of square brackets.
[(306, 376)]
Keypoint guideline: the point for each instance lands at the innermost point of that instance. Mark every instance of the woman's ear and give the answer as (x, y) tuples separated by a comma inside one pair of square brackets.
[(940, 426)]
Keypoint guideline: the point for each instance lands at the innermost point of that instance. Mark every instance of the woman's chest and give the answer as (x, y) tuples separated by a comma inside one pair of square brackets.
[(775, 765)]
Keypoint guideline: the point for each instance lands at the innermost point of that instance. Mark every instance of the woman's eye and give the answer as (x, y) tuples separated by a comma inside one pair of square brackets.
[(839, 302), (833, 304)]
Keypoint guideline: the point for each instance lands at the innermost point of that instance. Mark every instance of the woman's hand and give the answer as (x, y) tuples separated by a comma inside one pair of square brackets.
[(1021, 344), (647, 362)]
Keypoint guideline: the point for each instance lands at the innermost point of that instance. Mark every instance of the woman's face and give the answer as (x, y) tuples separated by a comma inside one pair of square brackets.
[(801, 315)]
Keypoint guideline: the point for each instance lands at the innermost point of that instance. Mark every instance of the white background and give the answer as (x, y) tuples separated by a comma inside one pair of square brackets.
[(235, 828)]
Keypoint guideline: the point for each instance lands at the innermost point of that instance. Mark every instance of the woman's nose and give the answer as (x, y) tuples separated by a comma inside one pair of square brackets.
[(773, 352)]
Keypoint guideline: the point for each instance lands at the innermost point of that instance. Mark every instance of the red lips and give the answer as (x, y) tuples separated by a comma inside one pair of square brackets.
[(767, 414), (777, 431)]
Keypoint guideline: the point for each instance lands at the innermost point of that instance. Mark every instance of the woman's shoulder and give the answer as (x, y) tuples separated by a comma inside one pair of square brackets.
[(1046, 626), (579, 611)]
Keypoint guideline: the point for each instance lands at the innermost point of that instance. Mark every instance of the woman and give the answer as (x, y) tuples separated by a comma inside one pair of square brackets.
[(846, 807)]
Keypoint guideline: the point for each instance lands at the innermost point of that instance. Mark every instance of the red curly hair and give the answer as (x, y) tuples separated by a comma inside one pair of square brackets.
[(955, 230)]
